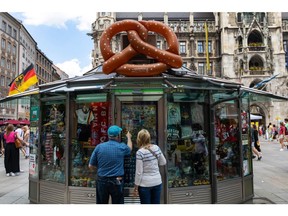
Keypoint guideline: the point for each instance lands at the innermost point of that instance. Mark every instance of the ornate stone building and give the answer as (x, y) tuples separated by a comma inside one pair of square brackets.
[(243, 47)]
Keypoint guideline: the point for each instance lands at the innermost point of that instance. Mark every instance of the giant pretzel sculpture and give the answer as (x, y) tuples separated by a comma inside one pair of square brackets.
[(137, 32)]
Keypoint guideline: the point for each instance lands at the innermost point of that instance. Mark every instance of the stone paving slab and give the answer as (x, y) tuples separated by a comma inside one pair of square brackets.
[(270, 178)]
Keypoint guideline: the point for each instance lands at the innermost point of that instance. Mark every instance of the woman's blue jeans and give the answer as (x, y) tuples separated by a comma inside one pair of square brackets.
[(150, 195)]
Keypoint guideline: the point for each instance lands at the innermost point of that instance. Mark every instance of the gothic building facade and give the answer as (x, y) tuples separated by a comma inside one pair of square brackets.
[(242, 47)]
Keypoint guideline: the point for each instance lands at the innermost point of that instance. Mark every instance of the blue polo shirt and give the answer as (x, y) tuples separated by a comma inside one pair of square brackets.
[(108, 157)]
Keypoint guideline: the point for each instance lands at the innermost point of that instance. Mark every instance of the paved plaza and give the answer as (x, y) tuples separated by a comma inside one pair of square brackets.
[(270, 178)]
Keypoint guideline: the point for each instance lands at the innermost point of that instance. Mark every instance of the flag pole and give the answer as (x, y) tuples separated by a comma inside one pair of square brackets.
[(207, 47)]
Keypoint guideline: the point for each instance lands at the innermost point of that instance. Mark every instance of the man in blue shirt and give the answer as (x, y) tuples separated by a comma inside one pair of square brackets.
[(108, 158)]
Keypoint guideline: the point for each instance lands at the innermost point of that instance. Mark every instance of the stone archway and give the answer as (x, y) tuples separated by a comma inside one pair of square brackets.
[(259, 110)]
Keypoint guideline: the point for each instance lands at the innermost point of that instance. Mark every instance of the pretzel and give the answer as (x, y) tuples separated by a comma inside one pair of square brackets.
[(137, 35)]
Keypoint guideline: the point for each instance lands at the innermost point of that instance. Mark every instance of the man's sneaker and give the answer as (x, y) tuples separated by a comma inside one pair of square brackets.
[(12, 174), (7, 174), (21, 171)]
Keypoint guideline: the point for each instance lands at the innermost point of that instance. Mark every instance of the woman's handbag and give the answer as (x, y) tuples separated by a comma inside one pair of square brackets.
[(18, 143)]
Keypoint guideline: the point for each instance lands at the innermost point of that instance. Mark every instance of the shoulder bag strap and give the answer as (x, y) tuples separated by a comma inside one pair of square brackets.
[(152, 152)]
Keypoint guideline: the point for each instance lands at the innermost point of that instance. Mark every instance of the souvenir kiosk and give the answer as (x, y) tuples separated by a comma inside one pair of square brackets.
[(200, 123)]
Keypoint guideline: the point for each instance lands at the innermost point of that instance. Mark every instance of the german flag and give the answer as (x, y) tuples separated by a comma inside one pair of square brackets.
[(23, 81)]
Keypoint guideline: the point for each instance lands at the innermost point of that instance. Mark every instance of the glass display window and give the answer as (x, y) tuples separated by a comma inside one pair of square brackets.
[(53, 141), (246, 142), (134, 117), (187, 139), (227, 140), (91, 118)]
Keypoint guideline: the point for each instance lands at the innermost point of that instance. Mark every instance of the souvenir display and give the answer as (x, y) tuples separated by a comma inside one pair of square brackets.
[(96, 133), (134, 118), (186, 145), (53, 142), (174, 117), (99, 124), (227, 148)]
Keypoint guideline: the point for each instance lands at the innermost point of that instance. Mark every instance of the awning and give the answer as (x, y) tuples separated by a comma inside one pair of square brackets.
[(19, 95), (261, 96), (15, 122)]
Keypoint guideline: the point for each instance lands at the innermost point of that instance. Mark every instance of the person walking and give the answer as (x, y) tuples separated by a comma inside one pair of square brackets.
[(26, 138), (270, 132), (254, 150), (256, 141), (286, 132), (1, 142), (281, 136), (11, 160), (148, 182), (275, 132), (108, 158)]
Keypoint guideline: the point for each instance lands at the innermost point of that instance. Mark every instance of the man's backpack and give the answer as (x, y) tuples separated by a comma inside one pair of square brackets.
[(286, 131)]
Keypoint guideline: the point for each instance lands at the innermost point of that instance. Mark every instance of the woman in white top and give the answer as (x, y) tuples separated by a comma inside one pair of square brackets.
[(149, 157)]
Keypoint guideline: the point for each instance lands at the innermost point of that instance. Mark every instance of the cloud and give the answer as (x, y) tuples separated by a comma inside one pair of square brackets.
[(59, 19), (72, 68)]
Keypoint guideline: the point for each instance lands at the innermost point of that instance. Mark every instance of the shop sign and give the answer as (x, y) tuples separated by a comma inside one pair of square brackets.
[(32, 164), (34, 113)]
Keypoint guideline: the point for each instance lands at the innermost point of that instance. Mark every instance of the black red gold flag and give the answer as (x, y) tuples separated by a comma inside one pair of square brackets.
[(23, 81)]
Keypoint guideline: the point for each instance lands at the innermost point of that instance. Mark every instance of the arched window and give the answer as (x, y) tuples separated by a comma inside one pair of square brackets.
[(255, 39), (256, 63)]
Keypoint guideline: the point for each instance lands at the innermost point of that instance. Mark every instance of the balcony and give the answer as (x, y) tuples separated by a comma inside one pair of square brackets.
[(256, 47), (179, 26), (199, 26), (258, 70)]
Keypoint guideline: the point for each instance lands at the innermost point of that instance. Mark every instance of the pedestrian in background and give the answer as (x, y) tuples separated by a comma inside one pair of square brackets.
[(256, 141), (270, 132), (149, 157), (108, 158), (286, 131), (1, 142), (274, 132), (281, 136), (26, 138), (263, 131), (11, 160), (20, 132), (254, 150)]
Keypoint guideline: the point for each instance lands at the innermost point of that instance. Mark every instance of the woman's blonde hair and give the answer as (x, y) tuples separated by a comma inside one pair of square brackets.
[(25, 127), (143, 138)]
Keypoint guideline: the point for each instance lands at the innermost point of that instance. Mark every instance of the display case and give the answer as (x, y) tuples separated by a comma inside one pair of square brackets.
[(227, 140), (91, 117), (187, 143), (134, 117), (53, 141)]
